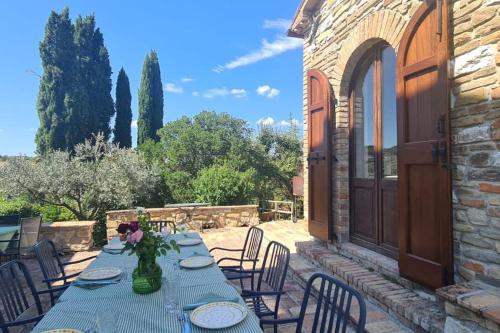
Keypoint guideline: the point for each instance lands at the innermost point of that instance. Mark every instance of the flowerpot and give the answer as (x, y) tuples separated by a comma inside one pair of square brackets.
[(146, 278)]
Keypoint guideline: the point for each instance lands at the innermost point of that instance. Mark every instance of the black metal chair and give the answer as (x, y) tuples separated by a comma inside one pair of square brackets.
[(30, 232), (158, 225), (332, 313), (273, 274), (18, 295), (11, 246), (249, 253), (53, 269)]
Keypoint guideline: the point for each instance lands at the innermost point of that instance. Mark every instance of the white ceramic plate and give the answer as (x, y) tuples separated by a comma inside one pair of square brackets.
[(101, 273), (196, 262), (189, 241), (63, 330), (114, 246), (218, 315)]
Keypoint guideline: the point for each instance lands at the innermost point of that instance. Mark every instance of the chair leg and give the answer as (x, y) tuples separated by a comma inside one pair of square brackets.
[(275, 325)]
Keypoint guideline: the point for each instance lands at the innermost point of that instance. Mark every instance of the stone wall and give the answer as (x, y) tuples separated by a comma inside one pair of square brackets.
[(341, 32), (210, 216), (69, 236), (475, 112)]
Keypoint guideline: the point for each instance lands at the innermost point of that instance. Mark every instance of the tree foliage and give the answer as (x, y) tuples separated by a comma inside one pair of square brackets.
[(150, 100), (123, 122), (99, 176), (74, 100)]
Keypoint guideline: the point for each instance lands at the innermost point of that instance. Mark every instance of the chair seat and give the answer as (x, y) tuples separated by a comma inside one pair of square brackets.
[(259, 306)]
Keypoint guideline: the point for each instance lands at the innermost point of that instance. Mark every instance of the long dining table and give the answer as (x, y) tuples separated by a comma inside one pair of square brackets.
[(77, 307)]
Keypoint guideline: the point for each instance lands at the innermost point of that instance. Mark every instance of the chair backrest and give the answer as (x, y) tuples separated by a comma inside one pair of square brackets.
[(17, 293), (252, 244), (48, 259), (334, 303), (158, 225), (30, 228), (9, 220), (274, 266)]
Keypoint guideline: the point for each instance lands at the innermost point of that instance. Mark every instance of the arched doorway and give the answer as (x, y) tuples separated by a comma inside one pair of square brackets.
[(373, 151)]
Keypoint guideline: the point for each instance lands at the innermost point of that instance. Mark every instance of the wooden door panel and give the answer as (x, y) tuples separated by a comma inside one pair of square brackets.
[(363, 210), (390, 214), (425, 251), (319, 155)]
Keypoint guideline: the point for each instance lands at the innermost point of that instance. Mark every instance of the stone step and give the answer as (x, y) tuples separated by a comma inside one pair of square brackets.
[(391, 306)]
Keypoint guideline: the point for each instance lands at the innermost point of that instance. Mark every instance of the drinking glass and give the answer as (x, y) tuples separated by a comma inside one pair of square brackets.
[(106, 321), (171, 295)]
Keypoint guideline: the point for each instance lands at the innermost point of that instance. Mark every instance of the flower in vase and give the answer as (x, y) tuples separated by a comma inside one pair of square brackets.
[(135, 237), (133, 226), (123, 228), (140, 210)]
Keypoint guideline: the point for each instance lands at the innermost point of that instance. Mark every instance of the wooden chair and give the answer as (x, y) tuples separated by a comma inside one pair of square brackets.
[(332, 313), (18, 296), (273, 274), (53, 269), (249, 253)]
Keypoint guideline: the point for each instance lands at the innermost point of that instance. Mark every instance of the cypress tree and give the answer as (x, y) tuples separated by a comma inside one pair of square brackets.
[(93, 79), (57, 52), (123, 121), (150, 100)]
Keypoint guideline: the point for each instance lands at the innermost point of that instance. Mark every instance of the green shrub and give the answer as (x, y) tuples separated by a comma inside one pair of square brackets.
[(21, 206), (16, 206), (225, 185)]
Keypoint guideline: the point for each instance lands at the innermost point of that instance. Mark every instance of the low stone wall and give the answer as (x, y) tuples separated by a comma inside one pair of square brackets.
[(195, 217), (69, 236)]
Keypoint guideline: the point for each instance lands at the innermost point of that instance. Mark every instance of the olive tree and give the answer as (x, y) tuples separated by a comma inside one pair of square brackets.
[(97, 177)]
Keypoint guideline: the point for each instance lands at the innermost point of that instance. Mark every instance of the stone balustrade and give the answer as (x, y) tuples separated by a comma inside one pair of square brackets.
[(194, 217), (69, 236)]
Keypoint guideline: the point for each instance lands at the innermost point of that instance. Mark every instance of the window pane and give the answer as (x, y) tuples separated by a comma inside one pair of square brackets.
[(389, 124), (363, 126)]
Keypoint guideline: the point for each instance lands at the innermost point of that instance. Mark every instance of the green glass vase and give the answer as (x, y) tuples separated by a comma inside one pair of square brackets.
[(146, 278)]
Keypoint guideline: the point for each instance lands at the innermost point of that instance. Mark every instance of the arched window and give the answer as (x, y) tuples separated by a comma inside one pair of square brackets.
[(373, 149)]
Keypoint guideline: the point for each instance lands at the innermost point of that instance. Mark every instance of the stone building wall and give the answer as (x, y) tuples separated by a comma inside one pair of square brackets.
[(341, 33), (211, 216), (69, 236)]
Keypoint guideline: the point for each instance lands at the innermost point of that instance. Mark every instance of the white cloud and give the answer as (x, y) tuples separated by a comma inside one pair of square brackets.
[(173, 88), (195, 93), (280, 24), (267, 91), (267, 50), (221, 92), (269, 121), (187, 79), (134, 123), (286, 123)]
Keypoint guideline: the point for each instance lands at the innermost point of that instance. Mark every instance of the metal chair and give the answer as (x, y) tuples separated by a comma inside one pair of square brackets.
[(158, 225), (12, 249), (273, 274), (332, 313), (30, 232), (249, 253), (17, 295), (53, 269)]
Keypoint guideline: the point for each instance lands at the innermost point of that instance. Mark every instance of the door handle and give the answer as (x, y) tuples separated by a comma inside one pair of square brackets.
[(443, 154), (435, 152)]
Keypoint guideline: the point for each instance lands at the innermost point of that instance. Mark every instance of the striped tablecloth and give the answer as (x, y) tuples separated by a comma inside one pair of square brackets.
[(77, 307)]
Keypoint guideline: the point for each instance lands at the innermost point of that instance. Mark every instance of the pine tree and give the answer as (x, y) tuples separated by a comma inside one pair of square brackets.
[(123, 121), (150, 100), (57, 52)]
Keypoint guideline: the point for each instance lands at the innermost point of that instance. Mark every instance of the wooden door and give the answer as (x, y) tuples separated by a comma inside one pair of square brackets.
[(319, 154), (373, 152), (423, 148)]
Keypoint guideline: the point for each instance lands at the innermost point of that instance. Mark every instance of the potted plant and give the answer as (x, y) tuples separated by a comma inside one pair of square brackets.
[(142, 241)]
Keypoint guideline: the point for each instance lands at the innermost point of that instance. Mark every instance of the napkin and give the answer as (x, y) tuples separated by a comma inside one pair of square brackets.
[(209, 298)]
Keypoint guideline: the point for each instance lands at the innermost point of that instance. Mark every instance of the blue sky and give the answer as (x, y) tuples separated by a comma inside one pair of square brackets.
[(222, 55)]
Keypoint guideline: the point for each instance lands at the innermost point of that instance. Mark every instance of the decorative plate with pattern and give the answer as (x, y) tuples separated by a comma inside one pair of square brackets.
[(218, 315), (101, 273), (63, 330), (188, 241), (196, 262)]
